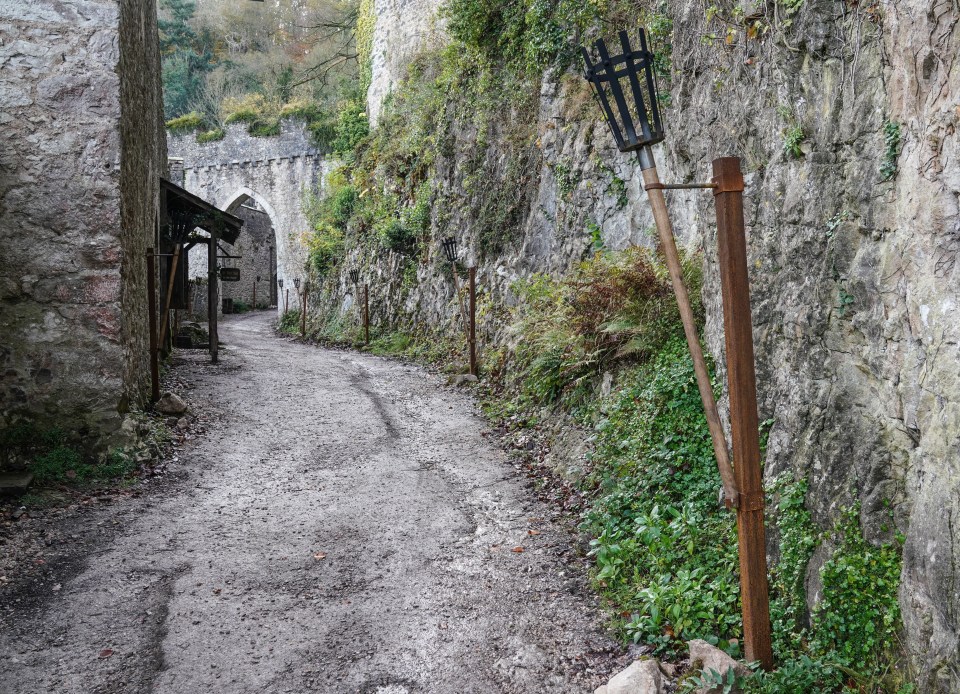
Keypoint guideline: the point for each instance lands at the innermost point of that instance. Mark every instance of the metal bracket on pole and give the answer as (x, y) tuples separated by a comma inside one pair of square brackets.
[(679, 186)]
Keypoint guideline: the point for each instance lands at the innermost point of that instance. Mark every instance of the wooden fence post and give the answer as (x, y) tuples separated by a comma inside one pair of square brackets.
[(152, 322), (472, 339)]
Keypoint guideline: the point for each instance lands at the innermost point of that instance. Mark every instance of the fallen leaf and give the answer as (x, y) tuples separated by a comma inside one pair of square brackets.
[(517, 549), (106, 653), (320, 555), (533, 532)]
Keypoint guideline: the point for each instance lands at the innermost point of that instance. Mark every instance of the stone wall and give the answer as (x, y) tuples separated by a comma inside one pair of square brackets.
[(403, 28), (278, 173), (80, 153), (854, 274)]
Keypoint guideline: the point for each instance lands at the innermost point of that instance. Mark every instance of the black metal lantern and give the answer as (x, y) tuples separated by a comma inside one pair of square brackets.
[(450, 248), (296, 282), (355, 276), (280, 282), (258, 278), (626, 87)]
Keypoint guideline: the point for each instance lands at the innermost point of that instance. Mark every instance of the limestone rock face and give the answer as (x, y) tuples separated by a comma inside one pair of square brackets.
[(853, 238)]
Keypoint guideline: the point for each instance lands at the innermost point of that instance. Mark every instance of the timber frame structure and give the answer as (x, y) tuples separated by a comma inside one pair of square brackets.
[(183, 216)]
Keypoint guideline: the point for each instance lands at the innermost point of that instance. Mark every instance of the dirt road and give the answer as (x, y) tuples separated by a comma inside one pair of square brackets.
[(343, 526)]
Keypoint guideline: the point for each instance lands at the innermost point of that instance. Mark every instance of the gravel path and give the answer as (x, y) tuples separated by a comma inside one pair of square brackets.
[(344, 525)]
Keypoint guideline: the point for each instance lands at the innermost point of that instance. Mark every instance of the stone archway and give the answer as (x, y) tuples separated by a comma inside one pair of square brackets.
[(260, 254), (275, 173)]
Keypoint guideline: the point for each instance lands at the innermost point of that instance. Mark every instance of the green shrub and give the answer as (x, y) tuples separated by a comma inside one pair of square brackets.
[(352, 127), (186, 123), (58, 465), (324, 248), (290, 322), (211, 135), (342, 204), (397, 236), (856, 622)]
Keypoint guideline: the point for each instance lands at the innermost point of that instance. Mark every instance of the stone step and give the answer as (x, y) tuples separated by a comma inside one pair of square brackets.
[(14, 482)]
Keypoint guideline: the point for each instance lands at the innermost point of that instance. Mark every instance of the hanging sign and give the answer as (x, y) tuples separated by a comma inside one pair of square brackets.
[(230, 274)]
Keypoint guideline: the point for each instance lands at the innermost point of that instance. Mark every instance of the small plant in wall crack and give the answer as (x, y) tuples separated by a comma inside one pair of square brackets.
[(892, 138)]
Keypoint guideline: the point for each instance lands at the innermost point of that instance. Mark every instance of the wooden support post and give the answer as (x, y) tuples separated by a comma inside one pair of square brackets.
[(744, 424), (303, 311), (366, 313), (456, 288), (472, 338), (668, 246), (212, 298), (152, 321), (168, 297), (254, 295), (286, 300)]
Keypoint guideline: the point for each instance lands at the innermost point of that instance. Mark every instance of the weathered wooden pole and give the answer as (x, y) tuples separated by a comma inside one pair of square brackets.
[(152, 321), (286, 300), (254, 295), (472, 339), (168, 297), (212, 298), (744, 421), (366, 313), (668, 245), (303, 311)]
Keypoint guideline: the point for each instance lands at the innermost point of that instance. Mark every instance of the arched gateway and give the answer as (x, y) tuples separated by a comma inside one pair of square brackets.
[(264, 181)]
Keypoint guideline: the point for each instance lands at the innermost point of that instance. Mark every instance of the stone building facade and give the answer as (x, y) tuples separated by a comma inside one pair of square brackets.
[(81, 153)]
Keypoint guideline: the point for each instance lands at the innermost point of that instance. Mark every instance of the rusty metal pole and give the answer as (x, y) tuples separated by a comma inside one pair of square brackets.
[(366, 313), (744, 421), (472, 339), (152, 317), (286, 300)]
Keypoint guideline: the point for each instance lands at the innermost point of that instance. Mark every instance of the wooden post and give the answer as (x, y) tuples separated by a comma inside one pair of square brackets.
[(744, 421), (254, 295), (366, 313), (168, 297), (651, 181), (212, 298), (286, 300), (303, 311), (456, 288), (152, 317), (472, 339)]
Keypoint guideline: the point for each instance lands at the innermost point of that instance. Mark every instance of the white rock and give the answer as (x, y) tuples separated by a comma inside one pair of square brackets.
[(171, 404), (642, 677), (602, 689)]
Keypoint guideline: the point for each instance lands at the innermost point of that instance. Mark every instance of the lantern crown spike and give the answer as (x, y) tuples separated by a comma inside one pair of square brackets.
[(625, 86)]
